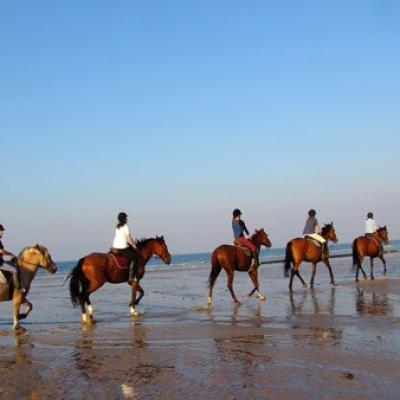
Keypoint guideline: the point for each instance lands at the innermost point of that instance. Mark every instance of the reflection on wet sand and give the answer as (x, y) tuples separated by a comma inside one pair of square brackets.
[(369, 302), (298, 306), (316, 331)]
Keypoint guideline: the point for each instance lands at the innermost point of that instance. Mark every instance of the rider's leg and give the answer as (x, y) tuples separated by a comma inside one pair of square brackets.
[(255, 262)]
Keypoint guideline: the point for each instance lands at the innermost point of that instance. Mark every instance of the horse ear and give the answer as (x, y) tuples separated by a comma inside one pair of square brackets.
[(332, 223)]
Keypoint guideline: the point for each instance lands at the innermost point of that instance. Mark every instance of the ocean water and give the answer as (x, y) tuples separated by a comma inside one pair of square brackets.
[(196, 260)]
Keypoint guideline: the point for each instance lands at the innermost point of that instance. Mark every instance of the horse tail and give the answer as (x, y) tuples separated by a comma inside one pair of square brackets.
[(288, 259), (215, 269), (78, 284), (356, 257)]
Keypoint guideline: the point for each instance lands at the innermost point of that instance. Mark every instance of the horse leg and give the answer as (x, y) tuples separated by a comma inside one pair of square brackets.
[(17, 301), (314, 270), (371, 268), (132, 304), (25, 314), (230, 286), (89, 307), (291, 280), (141, 294), (254, 277), (328, 265), (215, 271), (384, 263), (297, 272)]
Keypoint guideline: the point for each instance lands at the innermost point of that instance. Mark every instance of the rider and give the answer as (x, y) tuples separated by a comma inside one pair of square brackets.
[(371, 228), (370, 225), (313, 230), (125, 244), (12, 262), (239, 230)]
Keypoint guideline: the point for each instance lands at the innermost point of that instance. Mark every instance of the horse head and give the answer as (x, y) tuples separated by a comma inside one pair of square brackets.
[(260, 237), (161, 250), (383, 234), (329, 233), (39, 256)]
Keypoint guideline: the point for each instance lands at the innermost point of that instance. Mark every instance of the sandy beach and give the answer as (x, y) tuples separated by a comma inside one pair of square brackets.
[(325, 343)]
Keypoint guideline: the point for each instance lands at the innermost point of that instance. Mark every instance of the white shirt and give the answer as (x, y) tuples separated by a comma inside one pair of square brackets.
[(370, 226), (121, 237)]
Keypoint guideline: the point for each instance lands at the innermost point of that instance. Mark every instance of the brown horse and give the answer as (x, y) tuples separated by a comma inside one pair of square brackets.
[(301, 249), (28, 262), (95, 269), (233, 258), (370, 246)]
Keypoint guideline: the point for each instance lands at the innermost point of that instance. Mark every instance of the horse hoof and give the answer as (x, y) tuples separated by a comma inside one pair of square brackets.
[(209, 301), (85, 318), (133, 312), (261, 297), (19, 329), (305, 286)]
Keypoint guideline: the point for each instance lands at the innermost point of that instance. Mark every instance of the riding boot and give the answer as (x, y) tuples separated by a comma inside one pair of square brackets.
[(132, 274), (255, 262)]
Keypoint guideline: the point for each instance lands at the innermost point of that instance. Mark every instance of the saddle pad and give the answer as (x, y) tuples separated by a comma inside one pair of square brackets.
[(318, 244), (244, 249), (121, 261)]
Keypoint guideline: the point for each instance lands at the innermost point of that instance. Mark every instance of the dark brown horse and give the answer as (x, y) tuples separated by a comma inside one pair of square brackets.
[(301, 249), (233, 258), (29, 260), (95, 269), (370, 246)]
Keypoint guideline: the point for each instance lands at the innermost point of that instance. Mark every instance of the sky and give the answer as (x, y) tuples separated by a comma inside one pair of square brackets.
[(177, 112)]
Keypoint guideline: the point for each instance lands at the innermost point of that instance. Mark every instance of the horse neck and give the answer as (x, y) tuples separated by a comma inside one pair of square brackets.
[(27, 272), (256, 242), (377, 236), (146, 251), (326, 236)]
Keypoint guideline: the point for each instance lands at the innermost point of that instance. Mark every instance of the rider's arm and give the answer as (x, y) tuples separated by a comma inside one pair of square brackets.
[(243, 225), (4, 252), (131, 241)]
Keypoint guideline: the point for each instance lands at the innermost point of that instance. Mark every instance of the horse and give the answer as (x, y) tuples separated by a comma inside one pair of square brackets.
[(303, 249), (95, 269), (370, 246), (233, 258), (28, 262)]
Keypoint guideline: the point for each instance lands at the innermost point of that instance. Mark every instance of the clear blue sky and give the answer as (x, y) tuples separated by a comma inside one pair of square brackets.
[(179, 111)]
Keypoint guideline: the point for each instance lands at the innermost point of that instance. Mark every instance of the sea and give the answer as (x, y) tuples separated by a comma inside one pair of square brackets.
[(198, 260)]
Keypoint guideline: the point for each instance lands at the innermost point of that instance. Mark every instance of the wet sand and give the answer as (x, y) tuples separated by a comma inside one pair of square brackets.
[(320, 344)]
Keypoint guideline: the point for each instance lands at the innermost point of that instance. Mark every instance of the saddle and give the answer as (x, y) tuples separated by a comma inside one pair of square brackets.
[(245, 249), (121, 261), (315, 241)]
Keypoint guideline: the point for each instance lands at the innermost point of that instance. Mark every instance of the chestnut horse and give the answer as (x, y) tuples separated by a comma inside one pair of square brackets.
[(370, 246), (233, 258), (95, 269), (302, 249), (28, 262)]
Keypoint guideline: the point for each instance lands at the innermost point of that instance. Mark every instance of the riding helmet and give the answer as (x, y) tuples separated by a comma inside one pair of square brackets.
[(122, 217), (236, 213)]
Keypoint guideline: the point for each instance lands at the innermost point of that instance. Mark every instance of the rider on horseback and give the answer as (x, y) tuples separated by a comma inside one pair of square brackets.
[(12, 262), (125, 245), (371, 228), (239, 230), (313, 230)]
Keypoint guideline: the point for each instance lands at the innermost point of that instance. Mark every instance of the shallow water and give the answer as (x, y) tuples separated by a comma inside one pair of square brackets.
[(340, 342)]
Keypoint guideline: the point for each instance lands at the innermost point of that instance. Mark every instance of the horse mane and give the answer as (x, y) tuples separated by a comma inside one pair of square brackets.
[(142, 241), (326, 228), (27, 248)]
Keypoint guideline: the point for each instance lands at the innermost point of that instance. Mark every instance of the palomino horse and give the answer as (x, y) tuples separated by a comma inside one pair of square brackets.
[(370, 246), (95, 269), (233, 258), (301, 249), (28, 262)]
